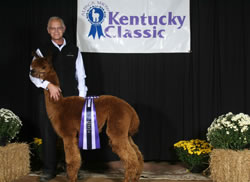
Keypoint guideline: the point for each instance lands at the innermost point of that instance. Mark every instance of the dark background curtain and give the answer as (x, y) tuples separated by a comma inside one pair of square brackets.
[(177, 96)]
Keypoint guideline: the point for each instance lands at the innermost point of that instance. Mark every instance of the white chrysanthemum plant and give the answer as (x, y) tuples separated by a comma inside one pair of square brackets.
[(10, 125), (230, 131)]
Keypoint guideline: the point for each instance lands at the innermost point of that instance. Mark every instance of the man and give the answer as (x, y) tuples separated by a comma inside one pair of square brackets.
[(68, 63)]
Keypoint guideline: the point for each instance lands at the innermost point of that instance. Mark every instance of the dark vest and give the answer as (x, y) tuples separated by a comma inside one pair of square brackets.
[(64, 63)]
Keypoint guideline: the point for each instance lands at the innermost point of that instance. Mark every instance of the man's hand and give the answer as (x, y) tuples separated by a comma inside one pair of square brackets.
[(54, 91)]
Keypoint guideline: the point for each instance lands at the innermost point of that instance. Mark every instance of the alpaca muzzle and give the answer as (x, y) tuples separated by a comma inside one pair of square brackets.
[(37, 74)]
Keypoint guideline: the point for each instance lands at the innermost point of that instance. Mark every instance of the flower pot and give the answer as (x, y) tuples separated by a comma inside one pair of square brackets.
[(230, 165), (198, 168), (194, 154)]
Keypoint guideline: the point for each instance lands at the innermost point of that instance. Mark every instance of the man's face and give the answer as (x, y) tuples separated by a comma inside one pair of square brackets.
[(56, 29)]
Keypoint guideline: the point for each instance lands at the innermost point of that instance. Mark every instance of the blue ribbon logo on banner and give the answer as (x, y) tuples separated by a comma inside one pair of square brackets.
[(96, 16)]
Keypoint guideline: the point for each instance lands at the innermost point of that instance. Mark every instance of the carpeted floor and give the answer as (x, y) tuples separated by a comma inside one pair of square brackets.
[(113, 172), (63, 179)]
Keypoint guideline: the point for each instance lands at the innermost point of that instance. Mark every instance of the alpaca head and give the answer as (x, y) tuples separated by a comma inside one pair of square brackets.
[(41, 67)]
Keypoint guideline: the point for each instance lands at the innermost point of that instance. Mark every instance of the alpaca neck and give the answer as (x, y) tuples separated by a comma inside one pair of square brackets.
[(52, 108), (51, 104), (53, 78)]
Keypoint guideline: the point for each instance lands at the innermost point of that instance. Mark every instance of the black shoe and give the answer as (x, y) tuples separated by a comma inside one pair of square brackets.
[(46, 177)]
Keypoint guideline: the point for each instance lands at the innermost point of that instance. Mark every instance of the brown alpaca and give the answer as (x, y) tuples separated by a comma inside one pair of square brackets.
[(65, 116)]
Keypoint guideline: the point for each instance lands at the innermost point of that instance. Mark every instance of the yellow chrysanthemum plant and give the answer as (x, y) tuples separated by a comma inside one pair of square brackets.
[(36, 154), (194, 153), (38, 141)]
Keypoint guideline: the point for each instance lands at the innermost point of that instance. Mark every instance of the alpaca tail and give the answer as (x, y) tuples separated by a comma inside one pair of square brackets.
[(134, 124)]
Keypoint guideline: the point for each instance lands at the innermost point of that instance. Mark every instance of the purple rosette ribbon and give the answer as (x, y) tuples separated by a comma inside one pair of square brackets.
[(89, 134)]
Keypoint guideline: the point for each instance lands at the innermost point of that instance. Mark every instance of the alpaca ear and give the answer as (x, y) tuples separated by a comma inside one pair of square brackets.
[(34, 54)]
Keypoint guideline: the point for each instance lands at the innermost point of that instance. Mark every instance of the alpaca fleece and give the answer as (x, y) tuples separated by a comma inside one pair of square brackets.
[(65, 115)]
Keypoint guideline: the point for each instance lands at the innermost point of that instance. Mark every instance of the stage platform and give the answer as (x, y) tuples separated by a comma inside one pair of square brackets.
[(113, 172)]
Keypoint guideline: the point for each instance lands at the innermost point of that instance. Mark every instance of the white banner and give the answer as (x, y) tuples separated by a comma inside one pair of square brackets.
[(133, 26)]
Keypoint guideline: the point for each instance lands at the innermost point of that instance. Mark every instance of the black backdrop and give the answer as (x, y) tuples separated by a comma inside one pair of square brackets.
[(176, 95)]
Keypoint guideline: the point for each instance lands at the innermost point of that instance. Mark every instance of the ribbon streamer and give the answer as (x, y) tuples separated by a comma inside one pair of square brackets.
[(96, 28)]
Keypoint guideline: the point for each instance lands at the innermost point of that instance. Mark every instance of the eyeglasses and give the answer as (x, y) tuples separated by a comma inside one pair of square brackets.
[(56, 28)]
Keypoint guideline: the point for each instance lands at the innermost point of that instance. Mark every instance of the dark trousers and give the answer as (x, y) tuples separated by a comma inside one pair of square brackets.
[(49, 140)]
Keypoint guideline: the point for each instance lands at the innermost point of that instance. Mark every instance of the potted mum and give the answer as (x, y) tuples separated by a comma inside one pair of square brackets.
[(14, 157), (194, 153), (10, 125), (36, 154), (229, 134)]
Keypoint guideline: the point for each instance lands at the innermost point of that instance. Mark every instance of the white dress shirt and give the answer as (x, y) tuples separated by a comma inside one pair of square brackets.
[(80, 73)]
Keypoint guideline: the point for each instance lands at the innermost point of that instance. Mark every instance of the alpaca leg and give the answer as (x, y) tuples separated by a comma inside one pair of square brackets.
[(127, 154), (73, 157), (140, 158)]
